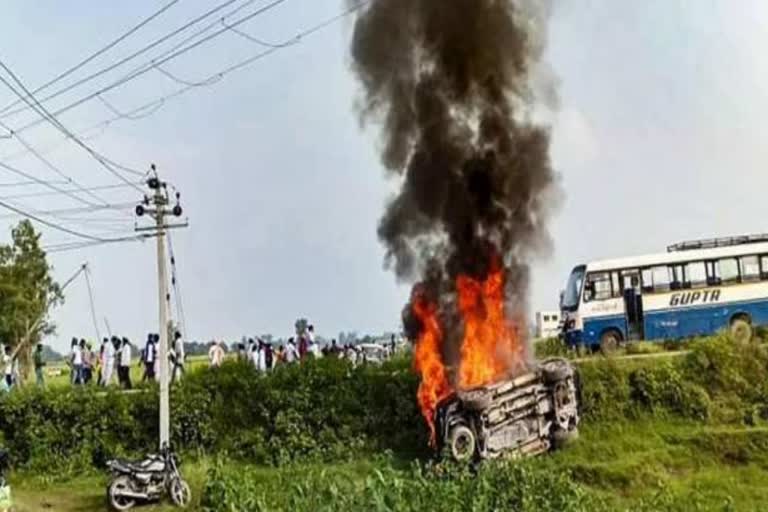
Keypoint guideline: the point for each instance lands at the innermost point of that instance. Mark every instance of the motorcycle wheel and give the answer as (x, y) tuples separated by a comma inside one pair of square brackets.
[(180, 492), (117, 502)]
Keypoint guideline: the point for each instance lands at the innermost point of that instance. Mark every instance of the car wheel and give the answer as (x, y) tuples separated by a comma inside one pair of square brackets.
[(115, 498), (741, 331), (555, 370), (462, 443)]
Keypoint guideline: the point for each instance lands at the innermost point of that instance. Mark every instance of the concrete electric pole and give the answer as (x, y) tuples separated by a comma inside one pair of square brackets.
[(157, 205)]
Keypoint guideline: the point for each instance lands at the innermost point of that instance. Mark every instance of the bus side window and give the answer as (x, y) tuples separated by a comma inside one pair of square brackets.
[(764, 266), (695, 275), (598, 286), (661, 280), (617, 291), (750, 269), (728, 270), (646, 277)]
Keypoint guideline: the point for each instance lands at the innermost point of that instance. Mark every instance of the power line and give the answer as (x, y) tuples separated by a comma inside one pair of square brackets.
[(88, 209), (51, 224), (47, 184), (46, 194), (98, 53), (45, 114), (30, 183), (128, 58), (151, 107), (75, 246), (152, 65)]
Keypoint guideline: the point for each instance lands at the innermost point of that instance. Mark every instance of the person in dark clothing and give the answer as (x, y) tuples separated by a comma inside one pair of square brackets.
[(303, 346), (269, 356), (39, 365), (124, 360), (149, 358)]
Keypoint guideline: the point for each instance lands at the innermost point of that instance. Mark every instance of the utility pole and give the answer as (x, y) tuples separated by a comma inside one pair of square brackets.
[(157, 205)]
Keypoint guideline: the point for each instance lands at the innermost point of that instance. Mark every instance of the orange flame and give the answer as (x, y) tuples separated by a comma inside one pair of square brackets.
[(491, 348), (434, 385)]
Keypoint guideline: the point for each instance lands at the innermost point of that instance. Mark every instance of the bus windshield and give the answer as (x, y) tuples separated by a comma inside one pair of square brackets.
[(573, 289)]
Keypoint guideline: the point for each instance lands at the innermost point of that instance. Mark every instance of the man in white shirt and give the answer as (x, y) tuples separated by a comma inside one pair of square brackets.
[(215, 354), (124, 369), (290, 351), (177, 357), (107, 361), (76, 359)]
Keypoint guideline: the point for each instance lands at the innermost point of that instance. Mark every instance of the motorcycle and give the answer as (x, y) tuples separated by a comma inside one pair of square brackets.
[(6, 504), (147, 481)]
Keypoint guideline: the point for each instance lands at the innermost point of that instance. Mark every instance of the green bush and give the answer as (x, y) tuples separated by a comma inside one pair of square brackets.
[(326, 410), (319, 410)]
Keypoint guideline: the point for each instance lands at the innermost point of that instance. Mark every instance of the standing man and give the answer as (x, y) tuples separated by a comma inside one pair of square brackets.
[(178, 357), (216, 354), (108, 349), (76, 361), (290, 351), (124, 370), (150, 355), (39, 365), (85, 354)]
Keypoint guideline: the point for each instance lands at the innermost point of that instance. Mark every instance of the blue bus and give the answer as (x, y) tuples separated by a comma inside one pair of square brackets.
[(695, 288)]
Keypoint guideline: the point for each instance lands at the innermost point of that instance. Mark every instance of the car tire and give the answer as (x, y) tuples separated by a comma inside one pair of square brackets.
[(462, 443), (741, 331), (555, 370)]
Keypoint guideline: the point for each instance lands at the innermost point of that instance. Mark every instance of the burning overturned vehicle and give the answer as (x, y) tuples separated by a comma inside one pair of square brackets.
[(455, 95), (480, 394), (524, 416)]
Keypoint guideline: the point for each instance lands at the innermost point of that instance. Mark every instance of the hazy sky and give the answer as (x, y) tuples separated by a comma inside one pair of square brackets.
[(660, 137)]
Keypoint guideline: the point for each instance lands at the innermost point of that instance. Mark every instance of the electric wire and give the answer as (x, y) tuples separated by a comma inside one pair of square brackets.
[(98, 53), (147, 109), (128, 58), (75, 246), (108, 164), (153, 64), (55, 193)]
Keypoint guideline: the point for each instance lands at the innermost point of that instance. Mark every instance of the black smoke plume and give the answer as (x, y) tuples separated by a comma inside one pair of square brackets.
[(451, 84)]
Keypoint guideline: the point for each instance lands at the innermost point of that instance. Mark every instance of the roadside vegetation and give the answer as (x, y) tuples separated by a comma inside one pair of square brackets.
[(680, 433)]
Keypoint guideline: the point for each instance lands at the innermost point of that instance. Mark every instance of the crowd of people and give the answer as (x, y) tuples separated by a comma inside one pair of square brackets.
[(110, 365), (111, 362), (265, 356)]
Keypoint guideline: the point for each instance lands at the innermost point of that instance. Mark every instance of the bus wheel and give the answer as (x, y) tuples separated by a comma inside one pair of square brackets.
[(609, 342), (741, 330)]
